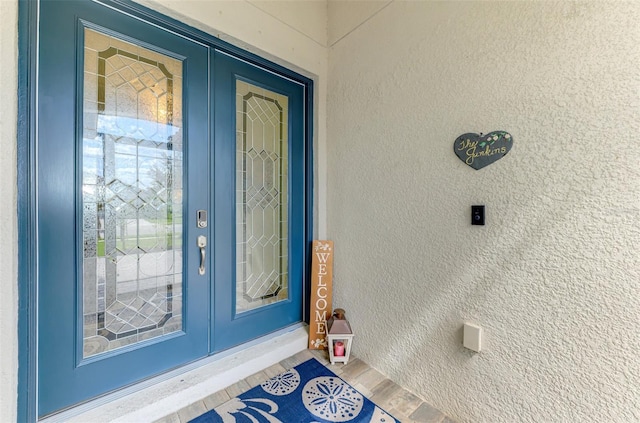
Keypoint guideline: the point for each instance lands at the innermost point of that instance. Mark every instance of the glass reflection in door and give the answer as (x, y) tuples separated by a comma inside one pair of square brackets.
[(131, 194), (261, 197)]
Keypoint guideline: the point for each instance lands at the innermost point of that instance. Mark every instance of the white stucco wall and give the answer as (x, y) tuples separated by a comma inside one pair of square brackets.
[(8, 211), (554, 275), (344, 16), (292, 36), (308, 17)]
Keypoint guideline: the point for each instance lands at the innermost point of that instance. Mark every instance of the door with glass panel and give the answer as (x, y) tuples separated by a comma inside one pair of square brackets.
[(259, 149), (170, 201), (123, 167)]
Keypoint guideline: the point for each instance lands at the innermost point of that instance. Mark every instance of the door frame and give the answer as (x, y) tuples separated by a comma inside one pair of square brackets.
[(28, 13)]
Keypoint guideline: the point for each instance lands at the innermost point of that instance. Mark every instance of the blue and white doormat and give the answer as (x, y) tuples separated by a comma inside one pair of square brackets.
[(308, 393)]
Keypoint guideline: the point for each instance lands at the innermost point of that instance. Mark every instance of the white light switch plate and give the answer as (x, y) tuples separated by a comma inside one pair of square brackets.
[(472, 337)]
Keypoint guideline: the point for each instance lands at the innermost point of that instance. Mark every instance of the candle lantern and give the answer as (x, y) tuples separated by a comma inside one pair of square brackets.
[(339, 337)]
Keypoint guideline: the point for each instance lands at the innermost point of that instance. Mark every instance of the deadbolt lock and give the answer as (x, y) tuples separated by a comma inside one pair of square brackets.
[(201, 218)]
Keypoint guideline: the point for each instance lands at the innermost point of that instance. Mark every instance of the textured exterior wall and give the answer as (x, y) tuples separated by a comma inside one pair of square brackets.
[(306, 17), (8, 207), (345, 16), (554, 275)]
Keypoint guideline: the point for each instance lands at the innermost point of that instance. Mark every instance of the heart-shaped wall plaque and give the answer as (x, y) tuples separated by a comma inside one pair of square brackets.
[(479, 150)]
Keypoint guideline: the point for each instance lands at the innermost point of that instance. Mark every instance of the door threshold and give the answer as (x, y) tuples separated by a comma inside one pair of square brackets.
[(163, 395)]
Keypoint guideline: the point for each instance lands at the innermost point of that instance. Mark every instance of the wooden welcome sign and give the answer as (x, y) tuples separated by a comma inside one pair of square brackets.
[(321, 284)]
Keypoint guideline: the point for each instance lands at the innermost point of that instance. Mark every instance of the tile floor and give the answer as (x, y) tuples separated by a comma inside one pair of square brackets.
[(401, 403)]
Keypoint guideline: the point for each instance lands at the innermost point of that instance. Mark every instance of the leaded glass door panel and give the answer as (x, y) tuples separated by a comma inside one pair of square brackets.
[(259, 146), (261, 196), (121, 174), (132, 162)]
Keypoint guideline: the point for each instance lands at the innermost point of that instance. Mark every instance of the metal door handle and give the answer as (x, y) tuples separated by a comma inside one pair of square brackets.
[(202, 243)]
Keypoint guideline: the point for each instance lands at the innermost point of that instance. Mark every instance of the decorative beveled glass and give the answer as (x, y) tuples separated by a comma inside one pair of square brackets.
[(261, 197), (131, 194)]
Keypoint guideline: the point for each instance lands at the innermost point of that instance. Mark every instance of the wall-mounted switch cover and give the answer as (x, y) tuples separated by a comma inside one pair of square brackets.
[(472, 337), (477, 215)]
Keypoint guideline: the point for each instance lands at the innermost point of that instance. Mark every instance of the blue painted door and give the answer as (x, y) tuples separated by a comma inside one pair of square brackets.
[(139, 131), (123, 165), (259, 153)]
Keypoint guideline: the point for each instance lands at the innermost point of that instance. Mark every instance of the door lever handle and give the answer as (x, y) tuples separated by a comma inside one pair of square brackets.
[(202, 243)]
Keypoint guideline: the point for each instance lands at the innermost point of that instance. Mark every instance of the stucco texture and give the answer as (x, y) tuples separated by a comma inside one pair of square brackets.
[(554, 276)]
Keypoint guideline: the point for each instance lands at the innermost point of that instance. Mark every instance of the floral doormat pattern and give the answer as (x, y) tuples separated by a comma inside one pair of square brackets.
[(308, 393)]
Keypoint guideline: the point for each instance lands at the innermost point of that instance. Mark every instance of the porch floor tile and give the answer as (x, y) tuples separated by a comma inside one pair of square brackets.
[(402, 404)]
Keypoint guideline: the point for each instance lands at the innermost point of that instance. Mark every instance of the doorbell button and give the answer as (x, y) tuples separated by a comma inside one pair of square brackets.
[(477, 215)]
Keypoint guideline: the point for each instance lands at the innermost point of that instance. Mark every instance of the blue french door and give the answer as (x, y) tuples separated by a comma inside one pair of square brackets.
[(260, 171), (123, 124), (170, 201)]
